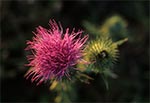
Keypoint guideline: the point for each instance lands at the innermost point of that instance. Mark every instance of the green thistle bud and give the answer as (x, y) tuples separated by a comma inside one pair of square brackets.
[(103, 53), (114, 26)]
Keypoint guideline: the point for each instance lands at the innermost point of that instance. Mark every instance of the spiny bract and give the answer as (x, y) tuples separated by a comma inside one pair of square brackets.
[(102, 52)]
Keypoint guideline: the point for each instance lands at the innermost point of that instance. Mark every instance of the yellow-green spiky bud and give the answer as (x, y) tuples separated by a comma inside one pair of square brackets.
[(103, 53)]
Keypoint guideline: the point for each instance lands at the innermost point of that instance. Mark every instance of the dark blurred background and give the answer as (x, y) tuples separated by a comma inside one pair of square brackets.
[(19, 18)]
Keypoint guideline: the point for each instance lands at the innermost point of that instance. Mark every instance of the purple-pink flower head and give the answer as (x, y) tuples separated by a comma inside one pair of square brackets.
[(54, 54)]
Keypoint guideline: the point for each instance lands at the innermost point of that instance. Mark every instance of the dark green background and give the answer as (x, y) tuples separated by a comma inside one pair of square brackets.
[(19, 18)]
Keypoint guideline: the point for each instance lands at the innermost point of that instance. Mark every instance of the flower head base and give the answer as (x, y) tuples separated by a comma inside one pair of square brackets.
[(54, 54), (103, 52)]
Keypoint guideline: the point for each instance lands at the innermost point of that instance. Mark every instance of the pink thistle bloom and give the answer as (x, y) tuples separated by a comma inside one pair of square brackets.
[(54, 54)]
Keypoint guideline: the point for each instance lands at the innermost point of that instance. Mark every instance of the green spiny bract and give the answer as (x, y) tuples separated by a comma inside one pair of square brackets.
[(102, 53)]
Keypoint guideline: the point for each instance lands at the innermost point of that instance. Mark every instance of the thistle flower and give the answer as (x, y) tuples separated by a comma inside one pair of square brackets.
[(103, 52), (54, 54)]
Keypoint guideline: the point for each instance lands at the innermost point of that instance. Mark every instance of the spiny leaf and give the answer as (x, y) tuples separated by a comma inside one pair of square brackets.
[(91, 28), (120, 42)]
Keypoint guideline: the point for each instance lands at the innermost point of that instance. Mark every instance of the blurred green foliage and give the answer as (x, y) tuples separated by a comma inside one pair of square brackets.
[(131, 18)]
